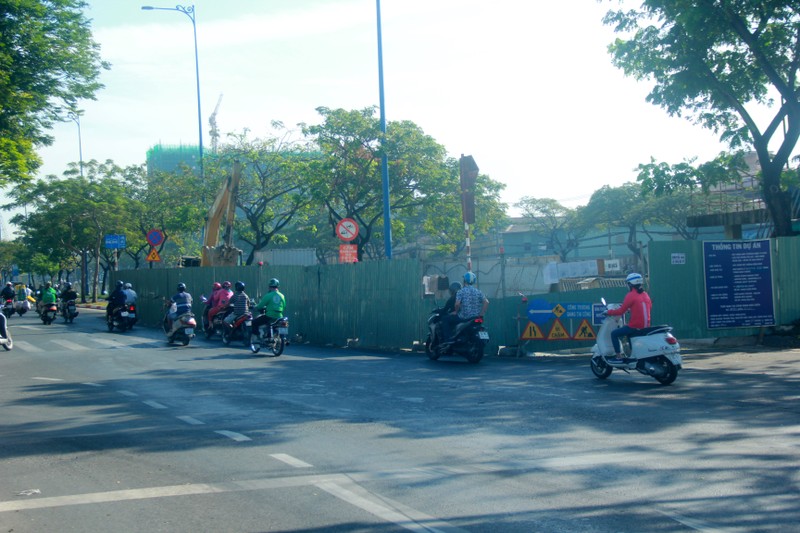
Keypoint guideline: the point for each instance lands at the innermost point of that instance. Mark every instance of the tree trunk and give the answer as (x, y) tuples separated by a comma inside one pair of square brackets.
[(776, 200)]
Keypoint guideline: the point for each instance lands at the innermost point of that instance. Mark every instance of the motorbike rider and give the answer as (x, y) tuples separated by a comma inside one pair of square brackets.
[(116, 299), (183, 305), (470, 303), (8, 292), (220, 300), (130, 294), (448, 316), (639, 303), (68, 293), (240, 302), (49, 294), (215, 288), (273, 303)]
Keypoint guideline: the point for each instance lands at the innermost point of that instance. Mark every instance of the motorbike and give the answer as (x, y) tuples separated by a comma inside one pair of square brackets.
[(216, 325), (130, 320), (69, 311), (48, 313), (182, 330), (469, 338), (8, 307), (118, 318), (272, 336), (653, 351), (5, 335), (238, 329), (22, 306)]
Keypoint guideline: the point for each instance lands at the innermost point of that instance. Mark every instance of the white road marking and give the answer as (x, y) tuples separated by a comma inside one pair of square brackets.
[(47, 379), (238, 437), (190, 420), (90, 384), (109, 342), (334, 484), (69, 345), (289, 460), (697, 525), (128, 393), (154, 404), (26, 346)]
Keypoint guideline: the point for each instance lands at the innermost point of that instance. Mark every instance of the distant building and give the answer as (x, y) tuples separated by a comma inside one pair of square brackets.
[(166, 158)]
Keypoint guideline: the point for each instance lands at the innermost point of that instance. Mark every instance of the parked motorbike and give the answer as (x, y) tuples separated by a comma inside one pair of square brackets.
[(182, 330), (271, 336), (69, 311), (238, 329), (8, 307), (653, 351), (48, 313), (469, 338), (5, 334), (118, 318)]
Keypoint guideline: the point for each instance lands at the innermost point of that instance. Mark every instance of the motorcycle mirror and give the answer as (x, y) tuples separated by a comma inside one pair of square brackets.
[(603, 301)]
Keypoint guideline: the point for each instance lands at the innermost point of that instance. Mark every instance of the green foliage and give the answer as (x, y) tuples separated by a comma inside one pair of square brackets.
[(48, 63), (722, 64), (563, 227)]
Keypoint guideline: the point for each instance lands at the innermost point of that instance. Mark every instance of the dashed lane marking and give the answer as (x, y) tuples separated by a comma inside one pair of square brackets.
[(238, 437), (47, 379), (128, 393), (154, 404), (26, 347), (191, 420), (289, 460)]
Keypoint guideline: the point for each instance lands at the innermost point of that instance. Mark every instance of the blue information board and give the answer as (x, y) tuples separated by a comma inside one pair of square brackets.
[(738, 276), (113, 241)]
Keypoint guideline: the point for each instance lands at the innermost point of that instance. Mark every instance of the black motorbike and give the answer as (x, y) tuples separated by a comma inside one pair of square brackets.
[(469, 338), (272, 336), (216, 325), (8, 307), (69, 311)]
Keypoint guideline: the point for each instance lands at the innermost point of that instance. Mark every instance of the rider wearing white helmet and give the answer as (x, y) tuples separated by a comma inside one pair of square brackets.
[(638, 301), (470, 303)]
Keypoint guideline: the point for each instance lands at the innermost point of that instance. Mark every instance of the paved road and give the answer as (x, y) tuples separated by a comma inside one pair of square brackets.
[(101, 430)]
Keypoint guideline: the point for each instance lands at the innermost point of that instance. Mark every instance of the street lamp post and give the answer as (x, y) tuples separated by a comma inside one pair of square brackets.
[(387, 221), (76, 118), (190, 12)]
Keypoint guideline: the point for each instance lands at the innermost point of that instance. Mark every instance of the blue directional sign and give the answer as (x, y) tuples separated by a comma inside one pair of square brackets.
[(113, 241), (540, 311)]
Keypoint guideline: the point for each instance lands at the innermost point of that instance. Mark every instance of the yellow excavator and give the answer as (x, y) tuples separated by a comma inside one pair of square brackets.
[(214, 252)]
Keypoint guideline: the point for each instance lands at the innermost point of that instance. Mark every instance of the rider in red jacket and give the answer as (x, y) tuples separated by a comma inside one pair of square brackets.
[(639, 304)]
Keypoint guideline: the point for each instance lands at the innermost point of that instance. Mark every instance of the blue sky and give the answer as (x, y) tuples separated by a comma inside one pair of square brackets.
[(526, 88)]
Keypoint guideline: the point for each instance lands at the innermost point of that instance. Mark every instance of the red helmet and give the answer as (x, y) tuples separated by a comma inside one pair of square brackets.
[(226, 284), (217, 286)]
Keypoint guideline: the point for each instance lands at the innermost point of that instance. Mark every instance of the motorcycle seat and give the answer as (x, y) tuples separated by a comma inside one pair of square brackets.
[(651, 330)]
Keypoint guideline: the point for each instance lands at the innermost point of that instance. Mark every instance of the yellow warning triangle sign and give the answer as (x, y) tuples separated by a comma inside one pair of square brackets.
[(557, 332), (532, 332), (585, 332), (153, 255)]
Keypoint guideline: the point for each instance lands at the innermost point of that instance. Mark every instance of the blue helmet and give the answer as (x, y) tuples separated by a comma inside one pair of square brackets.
[(470, 278)]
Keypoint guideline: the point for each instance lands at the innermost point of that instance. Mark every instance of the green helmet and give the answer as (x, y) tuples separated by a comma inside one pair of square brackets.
[(274, 282)]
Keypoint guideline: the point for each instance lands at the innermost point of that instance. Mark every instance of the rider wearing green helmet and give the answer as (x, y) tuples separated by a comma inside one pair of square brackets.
[(273, 303)]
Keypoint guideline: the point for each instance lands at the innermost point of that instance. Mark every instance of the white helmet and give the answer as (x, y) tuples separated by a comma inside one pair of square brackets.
[(635, 279)]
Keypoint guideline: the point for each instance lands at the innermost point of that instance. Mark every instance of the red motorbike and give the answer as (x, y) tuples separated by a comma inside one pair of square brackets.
[(239, 329)]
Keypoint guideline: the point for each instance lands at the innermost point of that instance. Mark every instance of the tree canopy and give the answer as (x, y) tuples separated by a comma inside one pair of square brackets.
[(48, 63), (723, 64)]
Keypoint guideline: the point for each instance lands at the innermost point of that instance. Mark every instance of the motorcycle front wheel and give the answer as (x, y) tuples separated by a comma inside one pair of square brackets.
[(226, 336), (430, 351), (600, 368)]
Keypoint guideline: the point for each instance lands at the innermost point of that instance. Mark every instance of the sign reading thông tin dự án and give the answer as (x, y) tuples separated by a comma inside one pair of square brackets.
[(738, 277)]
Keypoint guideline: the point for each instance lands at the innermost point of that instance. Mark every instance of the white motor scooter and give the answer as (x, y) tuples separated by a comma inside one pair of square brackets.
[(5, 335), (654, 351)]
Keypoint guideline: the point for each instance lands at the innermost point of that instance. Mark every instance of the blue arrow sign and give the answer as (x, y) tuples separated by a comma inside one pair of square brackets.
[(540, 311)]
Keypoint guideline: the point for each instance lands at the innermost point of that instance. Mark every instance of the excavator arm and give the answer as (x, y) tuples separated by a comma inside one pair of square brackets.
[(214, 252)]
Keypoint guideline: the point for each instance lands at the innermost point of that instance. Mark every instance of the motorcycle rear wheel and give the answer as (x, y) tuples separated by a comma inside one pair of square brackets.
[(277, 346), (671, 372), (475, 353), (600, 368), (226, 337)]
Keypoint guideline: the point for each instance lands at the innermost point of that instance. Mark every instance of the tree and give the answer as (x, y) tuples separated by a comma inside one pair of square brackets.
[(48, 63), (563, 227), (274, 189), (621, 207), (347, 177), (722, 63)]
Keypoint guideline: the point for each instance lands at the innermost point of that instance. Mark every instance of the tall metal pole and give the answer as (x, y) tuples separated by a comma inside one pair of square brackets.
[(189, 11), (387, 220), (76, 118)]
